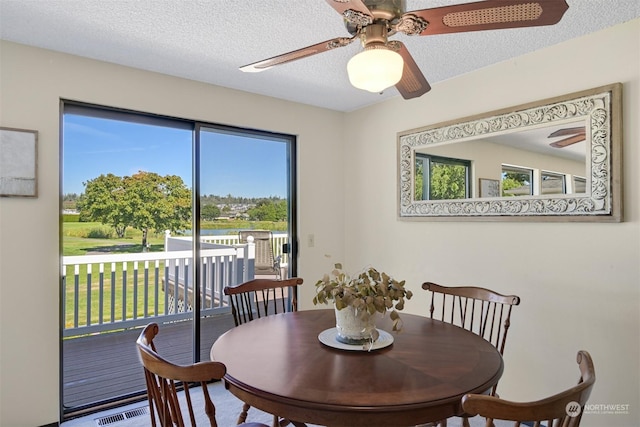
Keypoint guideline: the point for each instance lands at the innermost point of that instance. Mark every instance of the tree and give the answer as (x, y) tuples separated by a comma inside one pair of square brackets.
[(448, 182), (145, 201), (419, 180), (268, 210), (282, 210), (515, 183), (209, 212), (157, 203), (445, 180), (104, 201)]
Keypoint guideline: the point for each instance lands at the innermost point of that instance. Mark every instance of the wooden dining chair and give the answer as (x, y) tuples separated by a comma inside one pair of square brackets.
[(262, 297), (563, 409), (164, 379), (258, 298), (478, 310)]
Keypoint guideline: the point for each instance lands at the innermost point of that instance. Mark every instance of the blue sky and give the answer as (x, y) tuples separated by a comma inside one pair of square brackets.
[(230, 164)]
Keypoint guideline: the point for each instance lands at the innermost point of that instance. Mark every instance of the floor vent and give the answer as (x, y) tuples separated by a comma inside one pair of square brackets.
[(122, 416)]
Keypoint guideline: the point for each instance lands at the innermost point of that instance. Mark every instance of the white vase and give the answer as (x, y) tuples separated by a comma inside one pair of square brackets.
[(353, 329)]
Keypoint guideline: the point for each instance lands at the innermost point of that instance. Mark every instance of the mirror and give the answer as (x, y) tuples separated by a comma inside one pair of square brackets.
[(556, 160)]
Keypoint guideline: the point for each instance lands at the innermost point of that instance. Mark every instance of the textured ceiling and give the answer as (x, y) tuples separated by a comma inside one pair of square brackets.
[(207, 40)]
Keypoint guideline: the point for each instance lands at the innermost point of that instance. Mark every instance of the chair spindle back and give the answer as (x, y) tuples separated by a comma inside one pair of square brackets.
[(262, 297), (479, 310)]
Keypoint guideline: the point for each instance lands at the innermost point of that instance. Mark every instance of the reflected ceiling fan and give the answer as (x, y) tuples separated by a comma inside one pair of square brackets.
[(384, 63), (573, 135)]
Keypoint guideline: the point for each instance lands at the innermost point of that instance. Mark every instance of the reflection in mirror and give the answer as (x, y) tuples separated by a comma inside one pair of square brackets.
[(558, 157), (525, 163), (441, 178)]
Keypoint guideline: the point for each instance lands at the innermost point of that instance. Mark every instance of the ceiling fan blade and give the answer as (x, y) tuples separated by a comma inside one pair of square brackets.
[(413, 83), (482, 15), (580, 130), (354, 11), (298, 54), (568, 141)]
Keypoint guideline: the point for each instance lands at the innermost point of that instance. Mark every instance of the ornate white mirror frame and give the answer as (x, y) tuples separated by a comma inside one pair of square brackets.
[(598, 108)]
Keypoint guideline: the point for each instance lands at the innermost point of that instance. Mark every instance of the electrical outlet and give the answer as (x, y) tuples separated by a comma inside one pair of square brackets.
[(311, 240)]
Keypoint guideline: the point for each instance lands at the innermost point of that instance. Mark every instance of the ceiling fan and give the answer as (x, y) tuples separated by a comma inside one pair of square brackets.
[(385, 63), (573, 135)]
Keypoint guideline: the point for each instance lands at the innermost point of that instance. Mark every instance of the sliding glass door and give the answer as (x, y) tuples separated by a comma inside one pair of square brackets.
[(151, 212), (245, 187)]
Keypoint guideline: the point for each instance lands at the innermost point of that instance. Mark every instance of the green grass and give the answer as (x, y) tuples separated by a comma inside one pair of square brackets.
[(76, 239), (107, 293)]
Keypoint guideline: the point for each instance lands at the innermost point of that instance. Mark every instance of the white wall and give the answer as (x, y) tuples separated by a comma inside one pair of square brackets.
[(579, 282), (32, 81)]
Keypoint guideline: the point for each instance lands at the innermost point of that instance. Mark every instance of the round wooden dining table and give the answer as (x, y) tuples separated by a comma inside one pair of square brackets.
[(278, 364)]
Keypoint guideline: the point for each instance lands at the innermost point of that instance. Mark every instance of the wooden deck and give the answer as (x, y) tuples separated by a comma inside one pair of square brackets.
[(101, 368)]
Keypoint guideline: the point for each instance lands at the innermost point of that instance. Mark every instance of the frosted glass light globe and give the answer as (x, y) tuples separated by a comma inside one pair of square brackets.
[(375, 69)]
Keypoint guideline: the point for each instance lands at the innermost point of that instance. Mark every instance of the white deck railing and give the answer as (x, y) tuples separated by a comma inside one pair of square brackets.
[(279, 240), (109, 292)]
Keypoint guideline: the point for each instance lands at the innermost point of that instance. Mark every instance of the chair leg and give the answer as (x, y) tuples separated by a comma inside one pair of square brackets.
[(283, 422), (441, 423), (276, 422), (243, 415)]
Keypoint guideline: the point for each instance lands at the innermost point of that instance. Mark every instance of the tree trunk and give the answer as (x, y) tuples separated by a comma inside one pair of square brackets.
[(145, 246)]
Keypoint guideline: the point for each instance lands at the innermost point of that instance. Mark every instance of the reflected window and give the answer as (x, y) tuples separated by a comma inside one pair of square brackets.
[(516, 181), (579, 185), (553, 183), (442, 178)]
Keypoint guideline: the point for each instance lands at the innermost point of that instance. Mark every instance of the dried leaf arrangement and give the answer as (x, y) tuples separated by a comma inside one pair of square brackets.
[(370, 292)]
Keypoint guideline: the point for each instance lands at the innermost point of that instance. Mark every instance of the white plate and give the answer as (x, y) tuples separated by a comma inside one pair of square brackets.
[(328, 338)]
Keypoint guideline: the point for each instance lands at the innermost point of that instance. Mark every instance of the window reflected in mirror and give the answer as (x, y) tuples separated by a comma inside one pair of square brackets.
[(553, 183), (442, 178), (516, 181), (579, 185)]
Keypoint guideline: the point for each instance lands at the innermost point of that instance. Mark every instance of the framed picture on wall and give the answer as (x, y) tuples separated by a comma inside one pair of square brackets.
[(18, 162), (489, 187)]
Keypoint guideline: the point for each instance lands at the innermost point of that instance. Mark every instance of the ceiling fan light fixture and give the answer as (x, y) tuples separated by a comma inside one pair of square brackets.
[(375, 69)]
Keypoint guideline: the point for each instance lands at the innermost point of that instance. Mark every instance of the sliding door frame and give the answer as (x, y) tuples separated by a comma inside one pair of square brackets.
[(196, 127)]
